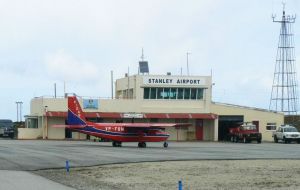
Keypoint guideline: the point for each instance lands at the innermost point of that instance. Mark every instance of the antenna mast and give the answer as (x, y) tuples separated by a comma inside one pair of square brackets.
[(284, 95), (143, 65), (187, 63), (142, 57)]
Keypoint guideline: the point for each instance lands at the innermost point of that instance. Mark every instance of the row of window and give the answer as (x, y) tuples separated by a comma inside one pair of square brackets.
[(174, 93)]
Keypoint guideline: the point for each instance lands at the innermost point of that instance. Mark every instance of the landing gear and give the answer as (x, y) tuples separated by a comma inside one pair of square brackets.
[(142, 145), (116, 144), (166, 144)]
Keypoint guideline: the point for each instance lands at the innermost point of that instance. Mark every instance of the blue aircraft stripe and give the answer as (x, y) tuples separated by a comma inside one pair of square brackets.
[(92, 129)]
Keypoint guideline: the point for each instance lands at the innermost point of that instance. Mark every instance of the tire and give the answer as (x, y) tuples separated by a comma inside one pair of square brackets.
[(119, 144), (285, 140), (258, 141), (142, 145), (116, 144), (298, 141), (275, 139), (11, 136), (166, 145), (236, 139), (231, 139)]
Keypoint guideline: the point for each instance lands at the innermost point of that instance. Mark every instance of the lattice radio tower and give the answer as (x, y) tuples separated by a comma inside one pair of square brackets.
[(284, 95)]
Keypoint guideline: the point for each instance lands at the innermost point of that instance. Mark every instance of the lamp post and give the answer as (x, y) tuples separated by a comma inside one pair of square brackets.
[(19, 110), (46, 122)]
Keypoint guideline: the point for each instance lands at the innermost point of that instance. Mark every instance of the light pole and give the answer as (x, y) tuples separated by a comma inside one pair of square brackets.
[(46, 122), (21, 103), (19, 110)]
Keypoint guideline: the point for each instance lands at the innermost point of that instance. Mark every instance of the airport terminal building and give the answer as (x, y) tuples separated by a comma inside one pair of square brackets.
[(153, 98)]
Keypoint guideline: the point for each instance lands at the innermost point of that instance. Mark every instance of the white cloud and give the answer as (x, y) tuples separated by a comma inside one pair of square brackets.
[(236, 39), (65, 67)]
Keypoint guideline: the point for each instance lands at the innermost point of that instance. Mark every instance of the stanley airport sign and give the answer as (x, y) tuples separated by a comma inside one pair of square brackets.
[(174, 81)]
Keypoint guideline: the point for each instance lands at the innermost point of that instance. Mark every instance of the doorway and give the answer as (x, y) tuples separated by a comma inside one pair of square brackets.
[(226, 122), (199, 129)]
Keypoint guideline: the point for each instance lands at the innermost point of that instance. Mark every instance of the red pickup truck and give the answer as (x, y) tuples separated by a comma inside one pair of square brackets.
[(245, 133)]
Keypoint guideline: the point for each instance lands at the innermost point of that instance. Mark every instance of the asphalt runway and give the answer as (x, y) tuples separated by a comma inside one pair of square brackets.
[(29, 155)]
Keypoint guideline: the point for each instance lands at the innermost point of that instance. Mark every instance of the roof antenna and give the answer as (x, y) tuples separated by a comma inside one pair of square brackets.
[(283, 4), (142, 57), (187, 63), (143, 65)]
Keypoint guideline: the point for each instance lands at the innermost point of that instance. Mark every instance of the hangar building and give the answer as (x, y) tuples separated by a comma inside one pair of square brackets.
[(153, 98)]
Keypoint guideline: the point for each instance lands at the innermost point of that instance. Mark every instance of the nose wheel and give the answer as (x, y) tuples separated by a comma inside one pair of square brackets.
[(166, 144)]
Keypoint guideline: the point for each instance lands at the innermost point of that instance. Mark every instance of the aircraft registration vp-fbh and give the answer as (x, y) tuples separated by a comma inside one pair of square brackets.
[(117, 132)]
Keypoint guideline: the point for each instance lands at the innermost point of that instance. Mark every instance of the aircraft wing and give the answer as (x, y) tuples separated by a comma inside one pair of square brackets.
[(147, 125), (69, 126), (143, 125), (154, 125)]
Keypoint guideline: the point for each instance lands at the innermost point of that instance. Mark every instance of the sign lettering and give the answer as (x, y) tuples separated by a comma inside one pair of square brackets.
[(174, 80)]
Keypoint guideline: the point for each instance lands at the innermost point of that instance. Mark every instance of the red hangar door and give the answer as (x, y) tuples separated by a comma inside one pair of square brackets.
[(199, 129)]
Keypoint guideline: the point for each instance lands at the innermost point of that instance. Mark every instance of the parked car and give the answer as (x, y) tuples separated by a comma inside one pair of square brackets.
[(287, 134), (246, 132), (6, 128)]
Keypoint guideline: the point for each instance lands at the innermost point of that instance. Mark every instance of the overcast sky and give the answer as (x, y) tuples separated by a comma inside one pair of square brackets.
[(81, 41)]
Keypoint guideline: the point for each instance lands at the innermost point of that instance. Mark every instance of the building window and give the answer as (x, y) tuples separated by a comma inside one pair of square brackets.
[(200, 93), (271, 127), (127, 93), (130, 93), (153, 93), (180, 94), (166, 93), (173, 93), (31, 123), (146, 93), (160, 93), (193, 93), (187, 93)]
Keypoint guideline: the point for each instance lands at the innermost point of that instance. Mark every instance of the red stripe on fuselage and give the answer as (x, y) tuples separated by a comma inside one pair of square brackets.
[(124, 137)]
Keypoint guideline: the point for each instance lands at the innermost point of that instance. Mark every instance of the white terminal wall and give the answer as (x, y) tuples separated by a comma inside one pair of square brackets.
[(137, 104), (251, 114)]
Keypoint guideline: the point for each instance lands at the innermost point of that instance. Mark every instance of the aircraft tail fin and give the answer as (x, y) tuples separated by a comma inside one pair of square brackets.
[(75, 113)]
